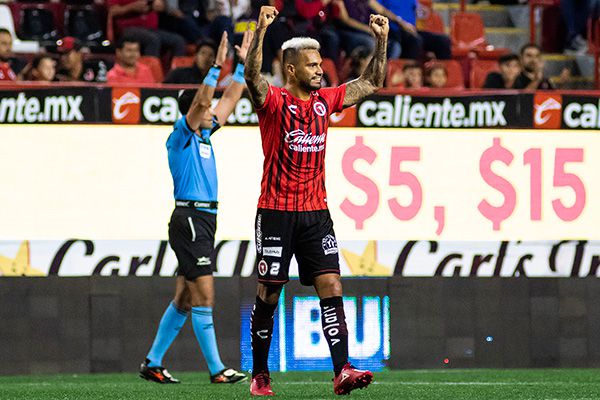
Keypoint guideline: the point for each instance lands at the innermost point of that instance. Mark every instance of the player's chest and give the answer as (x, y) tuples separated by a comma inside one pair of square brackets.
[(313, 112)]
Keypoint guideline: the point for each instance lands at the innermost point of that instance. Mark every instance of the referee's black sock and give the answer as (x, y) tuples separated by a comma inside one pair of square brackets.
[(335, 330), (262, 331)]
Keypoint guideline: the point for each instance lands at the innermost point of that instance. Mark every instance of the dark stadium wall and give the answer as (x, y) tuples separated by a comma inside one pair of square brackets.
[(106, 324)]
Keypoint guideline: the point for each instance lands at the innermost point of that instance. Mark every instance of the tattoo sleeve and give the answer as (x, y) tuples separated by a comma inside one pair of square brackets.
[(257, 84), (371, 79)]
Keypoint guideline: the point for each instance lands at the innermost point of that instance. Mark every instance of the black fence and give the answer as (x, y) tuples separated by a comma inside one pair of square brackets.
[(106, 324)]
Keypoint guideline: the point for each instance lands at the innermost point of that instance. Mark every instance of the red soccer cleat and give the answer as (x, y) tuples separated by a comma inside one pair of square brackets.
[(261, 385), (351, 378)]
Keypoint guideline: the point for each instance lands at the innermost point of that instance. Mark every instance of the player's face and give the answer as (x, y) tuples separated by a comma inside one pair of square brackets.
[(308, 71), (205, 58), (5, 45)]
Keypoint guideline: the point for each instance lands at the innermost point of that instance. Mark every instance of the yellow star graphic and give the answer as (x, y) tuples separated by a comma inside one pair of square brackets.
[(19, 266), (366, 264)]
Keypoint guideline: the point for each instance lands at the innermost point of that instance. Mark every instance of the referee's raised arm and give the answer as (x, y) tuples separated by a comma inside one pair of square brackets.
[(234, 91), (257, 84), (206, 91)]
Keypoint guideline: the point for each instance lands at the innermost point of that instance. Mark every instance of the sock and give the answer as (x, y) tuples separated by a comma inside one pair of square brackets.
[(261, 330), (333, 320), (168, 329), (202, 321)]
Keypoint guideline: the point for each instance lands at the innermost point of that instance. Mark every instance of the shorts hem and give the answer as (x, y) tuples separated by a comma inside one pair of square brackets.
[(272, 282)]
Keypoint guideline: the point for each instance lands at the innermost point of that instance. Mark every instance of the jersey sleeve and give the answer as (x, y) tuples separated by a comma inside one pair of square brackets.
[(181, 134), (272, 101), (334, 97)]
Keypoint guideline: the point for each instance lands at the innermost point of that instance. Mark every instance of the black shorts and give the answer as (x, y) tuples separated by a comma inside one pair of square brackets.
[(308, 235), (192, 238)]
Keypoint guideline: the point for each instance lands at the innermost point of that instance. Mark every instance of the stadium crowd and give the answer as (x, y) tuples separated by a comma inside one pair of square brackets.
[(174, 41)]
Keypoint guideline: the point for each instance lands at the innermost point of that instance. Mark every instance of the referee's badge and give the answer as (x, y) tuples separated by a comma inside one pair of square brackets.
[(204, 150)]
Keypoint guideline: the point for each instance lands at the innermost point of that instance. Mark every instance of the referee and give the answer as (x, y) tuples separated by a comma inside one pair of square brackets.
[(194, 220)]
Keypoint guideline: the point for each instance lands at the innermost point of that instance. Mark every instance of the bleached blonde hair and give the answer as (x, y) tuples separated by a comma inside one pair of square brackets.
[(301, 43)]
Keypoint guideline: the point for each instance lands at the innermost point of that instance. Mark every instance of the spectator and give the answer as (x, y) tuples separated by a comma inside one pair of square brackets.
[(9, 66), (353, 25), (72, 67), (532, 75), (218, 20), (173, 19), (414, 43), (128, 69), (195, 20), (359, 59), (575, 14), (138, 19), (205, 58), (510, 68), (319, 26), (413, 76), (436, 76), (41, 69)]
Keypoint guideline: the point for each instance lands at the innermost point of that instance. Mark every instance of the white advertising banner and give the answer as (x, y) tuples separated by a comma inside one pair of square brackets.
[(357, 258), (113, 183)]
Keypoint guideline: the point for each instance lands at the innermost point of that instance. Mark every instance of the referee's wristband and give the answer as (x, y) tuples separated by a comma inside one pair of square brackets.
[(238, 75), (212, 77)]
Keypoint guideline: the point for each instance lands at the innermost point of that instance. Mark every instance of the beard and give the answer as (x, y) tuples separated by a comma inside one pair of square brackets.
[(309, 86)]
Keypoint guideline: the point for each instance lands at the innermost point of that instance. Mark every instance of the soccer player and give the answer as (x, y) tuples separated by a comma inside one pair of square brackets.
[(193, 222), (292, 216)]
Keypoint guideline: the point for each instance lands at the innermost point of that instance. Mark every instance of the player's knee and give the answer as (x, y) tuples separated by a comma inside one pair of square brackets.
[(329, 286), (182, 303), (202, 301), (269, 293)]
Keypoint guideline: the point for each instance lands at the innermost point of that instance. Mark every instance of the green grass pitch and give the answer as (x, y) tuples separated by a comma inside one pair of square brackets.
[(513, 384)]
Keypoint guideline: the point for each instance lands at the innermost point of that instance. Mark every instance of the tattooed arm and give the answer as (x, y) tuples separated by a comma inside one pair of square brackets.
[(257, 84), (371, 80)]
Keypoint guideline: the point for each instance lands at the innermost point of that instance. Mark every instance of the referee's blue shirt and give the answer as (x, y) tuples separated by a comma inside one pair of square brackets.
[(192, 164)]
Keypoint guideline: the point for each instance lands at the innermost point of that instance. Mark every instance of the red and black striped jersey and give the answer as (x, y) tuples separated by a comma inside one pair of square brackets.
[(294, 134)]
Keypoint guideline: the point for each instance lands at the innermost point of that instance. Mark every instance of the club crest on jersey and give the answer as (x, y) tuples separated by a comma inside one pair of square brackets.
[(320, 109), (263, 268), (329, 245)]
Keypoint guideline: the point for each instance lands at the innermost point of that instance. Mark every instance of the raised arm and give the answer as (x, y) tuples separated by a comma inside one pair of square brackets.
[(371, 80), (234, 91), (257, 84), (206, 90)]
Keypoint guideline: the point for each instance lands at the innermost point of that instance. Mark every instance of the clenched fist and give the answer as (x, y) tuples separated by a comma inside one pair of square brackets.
[(379, 25), (266, 17)]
